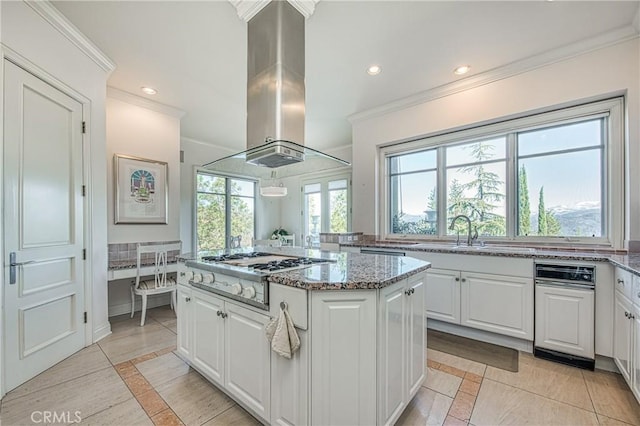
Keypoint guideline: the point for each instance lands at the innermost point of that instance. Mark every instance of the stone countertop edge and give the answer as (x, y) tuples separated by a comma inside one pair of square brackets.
[(347, 271), (629, 262)]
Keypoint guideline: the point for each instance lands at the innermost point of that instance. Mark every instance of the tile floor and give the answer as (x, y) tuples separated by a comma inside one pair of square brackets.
[(132, 377)]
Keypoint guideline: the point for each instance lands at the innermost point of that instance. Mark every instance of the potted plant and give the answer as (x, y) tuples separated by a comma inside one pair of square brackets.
[(279, 233)]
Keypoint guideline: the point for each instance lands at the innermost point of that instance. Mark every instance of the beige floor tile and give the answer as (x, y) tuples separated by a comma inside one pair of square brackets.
[(163, 369), (499, 404), (442, 382), (470, 387), (194, 399), (452, 421), (234, 416), (535, 375), (86, 361), (125, 413), (612, 397), (161, 313), (462, 406), (166, 418), (171, 325), (88, 394), (608, 421), (152, 403), (124, 326), (457, 362), (151, 338), (426, 408)]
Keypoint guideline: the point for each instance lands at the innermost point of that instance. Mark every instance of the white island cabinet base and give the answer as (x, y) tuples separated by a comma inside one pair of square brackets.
[(361, 359)]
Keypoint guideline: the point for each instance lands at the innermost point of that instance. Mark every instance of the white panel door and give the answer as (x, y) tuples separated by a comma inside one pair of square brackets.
[(416, 334), (481, 293), (247, 359), (343, 367), (207, 346), (43, 224), (392, 352), (443, 295), (565, 320)]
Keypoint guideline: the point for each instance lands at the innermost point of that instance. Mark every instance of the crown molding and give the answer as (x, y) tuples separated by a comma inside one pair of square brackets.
[(305, 7), (132, 99), (519, 67), (57, 20), (247, 9)]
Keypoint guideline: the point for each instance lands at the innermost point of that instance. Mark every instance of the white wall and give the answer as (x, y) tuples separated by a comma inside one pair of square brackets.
[(611, 70), (141, 128), (31, 37), (147, 133)]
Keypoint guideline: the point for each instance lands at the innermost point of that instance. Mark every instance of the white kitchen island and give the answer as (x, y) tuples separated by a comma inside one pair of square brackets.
[(361, 322)]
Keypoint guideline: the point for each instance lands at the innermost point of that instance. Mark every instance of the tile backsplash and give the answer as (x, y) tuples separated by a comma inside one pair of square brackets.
[(125, 254)]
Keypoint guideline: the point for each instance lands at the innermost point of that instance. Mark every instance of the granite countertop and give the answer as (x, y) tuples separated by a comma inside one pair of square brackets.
[(347, 271), (629, 262)]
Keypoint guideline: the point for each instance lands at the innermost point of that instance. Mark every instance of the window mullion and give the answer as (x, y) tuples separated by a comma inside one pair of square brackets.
[(512, 190), (441, 190), (227, 212)]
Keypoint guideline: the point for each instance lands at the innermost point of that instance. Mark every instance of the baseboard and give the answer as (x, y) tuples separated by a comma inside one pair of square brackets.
[(483, 336), (153, 301), (101, 332), (607, 364)]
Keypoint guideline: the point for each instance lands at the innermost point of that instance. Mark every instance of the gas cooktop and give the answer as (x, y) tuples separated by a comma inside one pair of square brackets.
[(264, 262)]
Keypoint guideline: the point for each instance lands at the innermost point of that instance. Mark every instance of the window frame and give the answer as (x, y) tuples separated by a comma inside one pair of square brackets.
[(324, 180), (227, 195), (612, 171)]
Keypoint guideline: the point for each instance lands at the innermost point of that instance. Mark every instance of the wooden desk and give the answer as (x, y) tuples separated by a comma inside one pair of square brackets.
[(123, 273)]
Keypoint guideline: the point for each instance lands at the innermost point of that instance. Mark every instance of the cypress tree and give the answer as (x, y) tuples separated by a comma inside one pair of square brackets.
[(542, 214), (524, 208)]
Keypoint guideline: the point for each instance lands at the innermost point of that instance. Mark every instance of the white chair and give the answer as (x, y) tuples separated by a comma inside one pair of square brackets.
[(160, 282), (266, 243), (288, 240)]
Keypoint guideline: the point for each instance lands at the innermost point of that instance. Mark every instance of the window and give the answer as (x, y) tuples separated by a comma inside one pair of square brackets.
[(556, 175), (326, 206), (225, 208)]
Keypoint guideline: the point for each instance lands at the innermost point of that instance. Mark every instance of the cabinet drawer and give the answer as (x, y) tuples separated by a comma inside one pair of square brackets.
[(296, 300), (624, 282), (182, 274), (635, 293)]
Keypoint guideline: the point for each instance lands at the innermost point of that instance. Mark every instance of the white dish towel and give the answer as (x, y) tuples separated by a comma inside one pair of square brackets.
[(282, 334)]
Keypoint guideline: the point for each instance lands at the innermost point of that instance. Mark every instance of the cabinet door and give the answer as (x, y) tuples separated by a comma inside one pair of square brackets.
[(183, 314), (247, 359), (208, 335), (622, 335), (635, 364), (443, 290), (417, 334), (497, 303), (289, 386), (565, 320), (343, 368), (392, 352)]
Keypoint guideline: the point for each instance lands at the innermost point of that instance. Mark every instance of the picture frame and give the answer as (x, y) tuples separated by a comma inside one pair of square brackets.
[(141, 190)]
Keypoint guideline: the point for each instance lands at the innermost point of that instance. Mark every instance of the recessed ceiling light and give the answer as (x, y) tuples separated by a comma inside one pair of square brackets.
[(374, 70), (462, 70), (149, 90)]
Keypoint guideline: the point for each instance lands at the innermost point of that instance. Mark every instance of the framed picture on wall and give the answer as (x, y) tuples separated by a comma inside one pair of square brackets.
[(141, 190)]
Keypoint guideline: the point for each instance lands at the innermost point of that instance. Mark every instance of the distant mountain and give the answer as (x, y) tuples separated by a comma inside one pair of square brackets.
[(584, 220)]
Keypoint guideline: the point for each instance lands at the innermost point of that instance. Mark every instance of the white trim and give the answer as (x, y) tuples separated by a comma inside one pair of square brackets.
[(102, 332), (305, 7), (509, 70), (58, 21), (132, 99), (247, 9)]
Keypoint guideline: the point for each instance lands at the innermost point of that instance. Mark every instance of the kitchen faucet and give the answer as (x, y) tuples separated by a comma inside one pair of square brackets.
[(469, 237)]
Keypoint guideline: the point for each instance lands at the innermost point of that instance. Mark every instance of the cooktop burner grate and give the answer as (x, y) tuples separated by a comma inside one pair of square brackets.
[(237, 256)]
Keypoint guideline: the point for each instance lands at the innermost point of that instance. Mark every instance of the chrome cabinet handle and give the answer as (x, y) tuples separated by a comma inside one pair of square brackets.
[(407, 292), (626, 314), (457, 278), (187, 299), (620, 281), (464, 280), (220, 313), (182, 274), (12, 266)]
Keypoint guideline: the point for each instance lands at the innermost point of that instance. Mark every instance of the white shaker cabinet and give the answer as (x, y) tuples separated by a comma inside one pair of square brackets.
[(622, 335), (635, 351), (208, 335), (564, 320), (401, 346), (343, 368), (183, 314), (289, 386), (443, 301)]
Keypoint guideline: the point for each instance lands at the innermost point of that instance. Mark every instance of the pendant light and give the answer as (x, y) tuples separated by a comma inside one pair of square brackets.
[(273, 190)]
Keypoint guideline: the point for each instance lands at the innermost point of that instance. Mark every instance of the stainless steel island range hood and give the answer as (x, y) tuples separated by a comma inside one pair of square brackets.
[(276, 100)]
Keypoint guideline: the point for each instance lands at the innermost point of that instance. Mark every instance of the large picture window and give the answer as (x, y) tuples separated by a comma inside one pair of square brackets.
[(550, 176), (225, 211)]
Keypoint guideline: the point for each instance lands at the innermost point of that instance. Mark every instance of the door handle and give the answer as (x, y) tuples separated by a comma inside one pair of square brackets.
[(12, 266)]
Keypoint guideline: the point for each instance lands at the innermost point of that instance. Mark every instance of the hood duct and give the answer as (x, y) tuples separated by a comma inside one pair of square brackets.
[(276, 100)]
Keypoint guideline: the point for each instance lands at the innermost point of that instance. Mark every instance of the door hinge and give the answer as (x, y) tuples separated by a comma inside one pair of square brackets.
[(84, 191), (84, 254), (84, 127), (85, 317)]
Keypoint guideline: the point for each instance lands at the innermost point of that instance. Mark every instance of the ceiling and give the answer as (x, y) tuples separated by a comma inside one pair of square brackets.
[(194, 53)]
